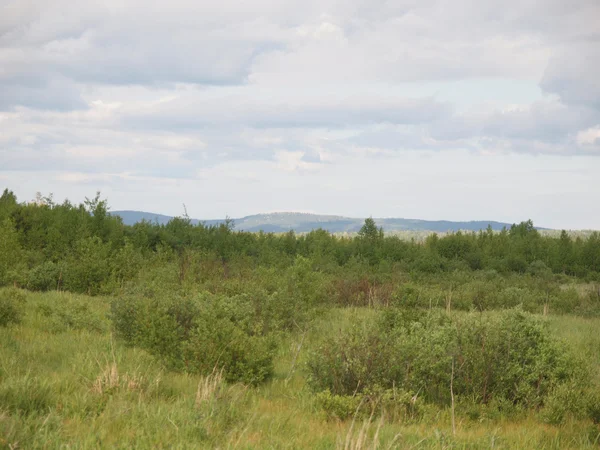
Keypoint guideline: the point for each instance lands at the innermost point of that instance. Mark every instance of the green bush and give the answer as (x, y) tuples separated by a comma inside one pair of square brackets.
[(567, 399), (44, 277), (516, 263), (200, 334), (338, 406), (507, 356), (89, 267), (159, 325), (11, 301), (220, 343), (397, 404), (65, 312)]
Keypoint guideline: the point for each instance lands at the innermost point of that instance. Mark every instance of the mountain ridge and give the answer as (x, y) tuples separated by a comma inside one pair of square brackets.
[(278, 222)]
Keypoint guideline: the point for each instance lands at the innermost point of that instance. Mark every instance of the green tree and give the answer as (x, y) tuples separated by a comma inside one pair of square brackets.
[(8, 203), (11, 254), (370, 231), (370, 240)]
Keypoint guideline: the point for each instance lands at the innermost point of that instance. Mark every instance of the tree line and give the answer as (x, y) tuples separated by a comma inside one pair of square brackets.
[(48, 245)]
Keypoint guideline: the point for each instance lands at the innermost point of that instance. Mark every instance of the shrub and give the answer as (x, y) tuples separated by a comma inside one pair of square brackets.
[(44, 277), (429, 262), (513, 296), (566, 399), (540, 269), (409, 295), (200, 334), (221, 344), (10, 306), (65, 312), (397, 404), (516, 263), (89, 267), (18, 296), (338, 406), (159, 325), (507, 356)]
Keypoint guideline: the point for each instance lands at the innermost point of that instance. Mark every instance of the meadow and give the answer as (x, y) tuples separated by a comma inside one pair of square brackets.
[(67, 382), (186, 336)]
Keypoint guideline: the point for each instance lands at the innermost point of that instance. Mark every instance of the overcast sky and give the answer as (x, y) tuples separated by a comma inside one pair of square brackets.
[(458, 110)]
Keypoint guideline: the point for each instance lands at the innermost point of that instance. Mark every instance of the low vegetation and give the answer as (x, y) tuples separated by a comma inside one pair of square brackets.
[(190, 336)]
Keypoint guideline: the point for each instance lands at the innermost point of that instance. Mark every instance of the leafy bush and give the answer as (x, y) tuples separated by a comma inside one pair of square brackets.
[(65, 312), (158, 324), (507, 356), (565, 399), (201, 334), (11, 300), (397, 404), (429, 262), (11, 253), (44, 277), (338, 406), (220, 343), (89, 267)]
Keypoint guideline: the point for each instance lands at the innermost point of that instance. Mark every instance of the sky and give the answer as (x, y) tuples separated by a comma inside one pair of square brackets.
[(427, 109)]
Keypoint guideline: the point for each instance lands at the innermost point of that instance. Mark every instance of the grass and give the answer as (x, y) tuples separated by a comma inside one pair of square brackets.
[(65, 382)]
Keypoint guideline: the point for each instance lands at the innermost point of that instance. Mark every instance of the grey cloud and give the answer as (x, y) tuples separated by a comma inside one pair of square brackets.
[(549, 122), (542, 127), (91, 42), (541, 121), (195, 111), (216, 43), (311, 156), (54, 93), (574, 74), (283, 56)]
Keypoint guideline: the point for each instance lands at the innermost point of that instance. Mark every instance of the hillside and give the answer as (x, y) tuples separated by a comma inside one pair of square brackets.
[(303, 222)]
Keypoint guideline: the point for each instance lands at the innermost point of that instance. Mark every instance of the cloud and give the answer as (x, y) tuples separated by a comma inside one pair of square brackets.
[(286, 44), (246, 107), (127, 94), (539, 127), (93, 42), (52, 93), (574, 74)]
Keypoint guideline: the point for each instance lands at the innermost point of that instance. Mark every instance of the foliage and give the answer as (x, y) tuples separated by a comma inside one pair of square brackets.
[(509, 356), (376, 324), (11, 253), (98, 254), (60, 314), (199, 335), (338, 406), (45, 277), (11, 304), (87, 389)]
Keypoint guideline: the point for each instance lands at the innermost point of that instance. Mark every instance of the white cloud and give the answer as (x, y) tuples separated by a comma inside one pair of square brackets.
[(589, 137), (305, 98)]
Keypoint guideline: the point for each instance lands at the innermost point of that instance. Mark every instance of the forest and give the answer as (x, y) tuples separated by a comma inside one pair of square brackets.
[(184, 335)]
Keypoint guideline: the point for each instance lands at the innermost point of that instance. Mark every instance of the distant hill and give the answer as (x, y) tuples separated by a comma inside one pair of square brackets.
[(301, 222)]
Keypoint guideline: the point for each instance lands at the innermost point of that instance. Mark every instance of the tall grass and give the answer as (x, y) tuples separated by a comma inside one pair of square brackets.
[(75, 386)]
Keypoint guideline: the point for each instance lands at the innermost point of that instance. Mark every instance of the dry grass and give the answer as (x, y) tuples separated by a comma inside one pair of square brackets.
[(209, 387), (364, 438), (110, 380), (107, 380)]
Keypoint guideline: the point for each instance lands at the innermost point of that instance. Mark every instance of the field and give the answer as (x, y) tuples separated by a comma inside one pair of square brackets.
[(72, 384), (195, 336)]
